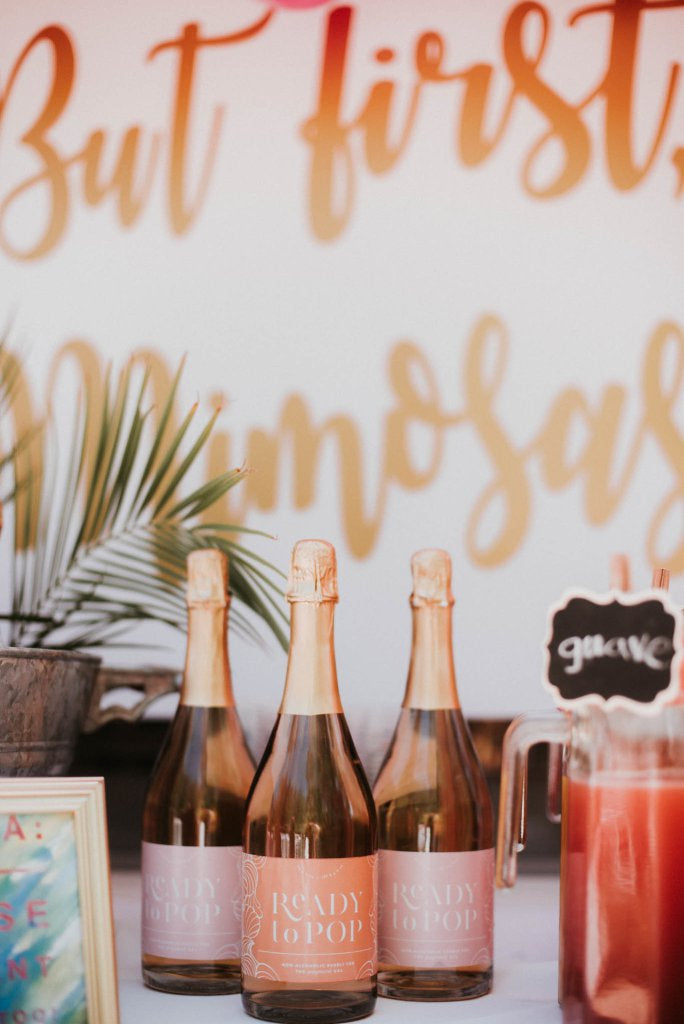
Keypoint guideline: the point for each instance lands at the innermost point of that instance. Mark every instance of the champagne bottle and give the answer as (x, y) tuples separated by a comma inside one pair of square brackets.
[(194, 810), (435, 827), (309, 867)]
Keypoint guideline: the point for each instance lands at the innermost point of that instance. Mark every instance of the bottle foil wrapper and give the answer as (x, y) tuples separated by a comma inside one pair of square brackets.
[(431, 570), (313, 572), (207, 578)]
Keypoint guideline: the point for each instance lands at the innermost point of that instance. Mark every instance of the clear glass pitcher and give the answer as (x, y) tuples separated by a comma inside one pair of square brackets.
[(622, 857)]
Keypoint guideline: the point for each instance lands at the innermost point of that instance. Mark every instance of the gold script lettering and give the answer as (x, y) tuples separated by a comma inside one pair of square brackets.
[(188, 44), (135, 166), (342, 143), (335, 159), (617, 87), (660, 402), (578, 441), (595, 462)]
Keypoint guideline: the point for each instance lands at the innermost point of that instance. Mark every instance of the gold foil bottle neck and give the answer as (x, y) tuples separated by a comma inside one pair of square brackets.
[(431, 570), (313, 572), (207, 579)]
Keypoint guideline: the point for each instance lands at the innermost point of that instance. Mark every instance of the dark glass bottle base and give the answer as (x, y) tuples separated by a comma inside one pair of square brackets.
[(192, 979), (434, 986), (316, 1007)]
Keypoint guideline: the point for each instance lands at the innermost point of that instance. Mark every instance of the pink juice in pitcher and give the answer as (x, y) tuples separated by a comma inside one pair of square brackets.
[(622, 891)]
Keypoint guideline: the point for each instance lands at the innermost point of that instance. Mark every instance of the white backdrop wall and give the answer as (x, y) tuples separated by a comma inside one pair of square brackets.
[(449, 233)]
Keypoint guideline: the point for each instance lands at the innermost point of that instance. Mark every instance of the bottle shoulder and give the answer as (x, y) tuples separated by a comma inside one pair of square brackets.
[(200, 781), (310, 796), (431, 792), (427, 747)]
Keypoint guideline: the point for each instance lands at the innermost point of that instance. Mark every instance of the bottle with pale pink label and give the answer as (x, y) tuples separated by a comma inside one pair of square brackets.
[(194, 811), (435, 826), (309, 934)]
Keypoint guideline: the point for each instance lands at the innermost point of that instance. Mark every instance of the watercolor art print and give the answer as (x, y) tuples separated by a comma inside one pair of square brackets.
[(42, 975)]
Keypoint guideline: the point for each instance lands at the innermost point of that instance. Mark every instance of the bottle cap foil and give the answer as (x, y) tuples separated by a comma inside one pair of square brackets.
[(313, 572), (431, 569), (207, 578)]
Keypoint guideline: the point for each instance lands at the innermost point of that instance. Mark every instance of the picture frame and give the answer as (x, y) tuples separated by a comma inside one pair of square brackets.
[(57, 951)]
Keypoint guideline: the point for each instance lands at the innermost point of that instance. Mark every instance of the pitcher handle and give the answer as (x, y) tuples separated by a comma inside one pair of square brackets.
[(524, 732)]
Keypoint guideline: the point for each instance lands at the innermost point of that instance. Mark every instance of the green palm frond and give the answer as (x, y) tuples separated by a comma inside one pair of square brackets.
[(10, 377), (102, 535)]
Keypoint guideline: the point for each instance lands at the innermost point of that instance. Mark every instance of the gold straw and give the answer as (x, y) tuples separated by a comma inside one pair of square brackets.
[(620, 573), (661, 579)]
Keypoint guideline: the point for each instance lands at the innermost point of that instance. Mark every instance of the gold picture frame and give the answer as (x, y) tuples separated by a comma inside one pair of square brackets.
[(57, 952)]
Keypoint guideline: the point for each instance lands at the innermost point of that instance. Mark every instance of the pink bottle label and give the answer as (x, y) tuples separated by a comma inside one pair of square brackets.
[(309, 920), (436, 910), (192, 901)]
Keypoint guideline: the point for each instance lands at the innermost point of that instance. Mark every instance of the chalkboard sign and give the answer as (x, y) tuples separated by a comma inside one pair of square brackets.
[(614, 648)]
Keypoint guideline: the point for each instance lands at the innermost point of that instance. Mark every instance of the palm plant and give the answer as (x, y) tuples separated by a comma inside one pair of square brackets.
[(10, 372), (101, 537)]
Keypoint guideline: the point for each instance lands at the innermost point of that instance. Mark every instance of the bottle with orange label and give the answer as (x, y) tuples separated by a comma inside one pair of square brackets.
[(194, 811), (309, 863), (436, 856)]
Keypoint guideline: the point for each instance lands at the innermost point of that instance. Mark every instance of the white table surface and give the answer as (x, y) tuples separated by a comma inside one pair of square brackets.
[(525, 968)]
